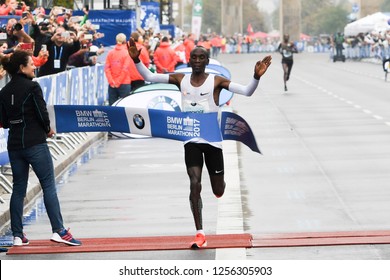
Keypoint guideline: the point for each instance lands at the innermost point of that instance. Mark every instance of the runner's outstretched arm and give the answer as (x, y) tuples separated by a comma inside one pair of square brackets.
[(247, 90)]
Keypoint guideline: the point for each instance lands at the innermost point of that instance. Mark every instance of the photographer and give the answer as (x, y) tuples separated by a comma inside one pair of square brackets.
[(16, 34), (60, 47), (39, 32)]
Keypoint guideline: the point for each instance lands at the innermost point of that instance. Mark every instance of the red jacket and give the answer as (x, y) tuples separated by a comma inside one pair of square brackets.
[(39, 60), (190, 45), (117, 66), (144, 57), (165, 58)]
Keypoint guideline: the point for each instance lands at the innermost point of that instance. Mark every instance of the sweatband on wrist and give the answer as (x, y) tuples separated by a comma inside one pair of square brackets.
[(247, 90), (150, 76)]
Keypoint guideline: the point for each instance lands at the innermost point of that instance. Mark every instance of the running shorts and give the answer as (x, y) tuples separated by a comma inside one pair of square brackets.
[(213, 157)]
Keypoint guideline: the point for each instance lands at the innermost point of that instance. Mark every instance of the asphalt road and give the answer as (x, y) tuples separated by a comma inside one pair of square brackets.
[(324, 168)]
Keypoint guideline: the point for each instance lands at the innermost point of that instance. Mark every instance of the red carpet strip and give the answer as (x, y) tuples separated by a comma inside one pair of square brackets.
[(133, 244), (321, 239), (214, 242)]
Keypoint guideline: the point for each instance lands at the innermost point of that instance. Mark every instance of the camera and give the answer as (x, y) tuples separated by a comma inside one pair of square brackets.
[(26, 46), (17, 26), (65, 34), (45, 27)]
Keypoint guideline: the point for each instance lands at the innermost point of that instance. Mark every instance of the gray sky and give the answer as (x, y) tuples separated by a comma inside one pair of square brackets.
[(267, 5)]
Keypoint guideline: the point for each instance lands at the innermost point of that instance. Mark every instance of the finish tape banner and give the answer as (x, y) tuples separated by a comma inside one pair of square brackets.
[(150, 122)]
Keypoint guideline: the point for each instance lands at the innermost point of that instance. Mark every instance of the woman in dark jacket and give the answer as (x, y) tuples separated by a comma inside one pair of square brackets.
[(23, 110)]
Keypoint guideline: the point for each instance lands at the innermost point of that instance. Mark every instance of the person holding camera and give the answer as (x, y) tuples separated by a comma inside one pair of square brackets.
[(16, 34), (39, 32), (61, 46)]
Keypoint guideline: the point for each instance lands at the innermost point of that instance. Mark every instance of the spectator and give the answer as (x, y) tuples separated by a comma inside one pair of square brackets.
[(38, 60), (40, 33), (165, 57), (23, 110), (12, 7), (86, 56), (339, 40), (60, 47), (205, 43), (216, 43), (189, 44), (16, 34), (180, 51), (117, 70), (248, 42), (3, 46)]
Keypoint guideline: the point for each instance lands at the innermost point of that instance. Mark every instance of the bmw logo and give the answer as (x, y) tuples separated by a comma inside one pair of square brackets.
[(165, 103), (138, 121)]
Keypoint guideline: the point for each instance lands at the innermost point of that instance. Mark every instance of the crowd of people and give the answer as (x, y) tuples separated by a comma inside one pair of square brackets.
[(56, 40), (374, 44)]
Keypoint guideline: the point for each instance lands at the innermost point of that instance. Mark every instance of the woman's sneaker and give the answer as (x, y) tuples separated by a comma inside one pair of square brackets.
[(64, 236), (21, 241)]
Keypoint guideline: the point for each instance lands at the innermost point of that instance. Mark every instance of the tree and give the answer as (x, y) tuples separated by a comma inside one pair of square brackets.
[(211, 19), (320, 17), (385, 7), (254, 16), (64, 3)]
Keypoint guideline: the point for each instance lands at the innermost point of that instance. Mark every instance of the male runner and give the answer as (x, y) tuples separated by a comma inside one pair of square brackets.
[(286, 49), (200, 94)]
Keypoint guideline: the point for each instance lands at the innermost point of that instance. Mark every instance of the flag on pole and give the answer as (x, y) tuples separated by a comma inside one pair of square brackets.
[(197, 11), (249, 29)]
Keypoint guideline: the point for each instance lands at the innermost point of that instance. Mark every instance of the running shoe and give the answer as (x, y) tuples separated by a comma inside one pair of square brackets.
[(21, 241), (64, 236), (200, 241)]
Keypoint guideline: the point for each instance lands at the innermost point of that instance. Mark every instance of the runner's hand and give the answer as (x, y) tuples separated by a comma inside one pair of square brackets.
[(262, 66), (133, 51)]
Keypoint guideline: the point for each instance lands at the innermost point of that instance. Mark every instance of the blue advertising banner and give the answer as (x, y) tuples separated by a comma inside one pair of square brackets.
[(168, 28), (112, 22), (184, 126), (61, 88), (100, 84), (85, 86), (4, 159), (150, 16), (75, 86), (150, 122), (46, 84)]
